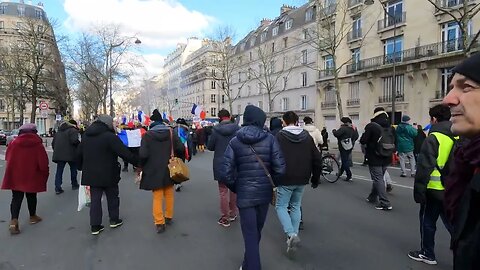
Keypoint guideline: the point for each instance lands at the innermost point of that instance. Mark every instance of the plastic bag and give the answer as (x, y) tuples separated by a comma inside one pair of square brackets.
[(83, 197)]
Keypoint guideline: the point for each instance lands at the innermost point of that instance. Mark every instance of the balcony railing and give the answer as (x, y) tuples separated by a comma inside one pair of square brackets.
[(430, 50), (353, 102), (389, 99), (354, 35), (329, 105), (390, 21), (325, 73), (451, 3), (352, 3), (328, 10)]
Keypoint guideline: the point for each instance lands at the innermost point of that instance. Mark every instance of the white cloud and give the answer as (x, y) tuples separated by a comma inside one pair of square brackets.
[(159, 24)]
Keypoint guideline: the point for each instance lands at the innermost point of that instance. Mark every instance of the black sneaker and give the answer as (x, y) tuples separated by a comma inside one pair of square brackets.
[(403, 175), (420, 257), (116, 223), (96, 230), (160, 228), (168, 221), (389, 188), (384, 207), (59, 191), (372, 201)]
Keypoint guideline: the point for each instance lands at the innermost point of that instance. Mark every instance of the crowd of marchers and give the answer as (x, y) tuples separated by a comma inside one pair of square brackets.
[(256, 166)]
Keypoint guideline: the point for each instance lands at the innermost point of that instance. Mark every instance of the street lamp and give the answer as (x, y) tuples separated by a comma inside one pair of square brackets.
[(394, 90)]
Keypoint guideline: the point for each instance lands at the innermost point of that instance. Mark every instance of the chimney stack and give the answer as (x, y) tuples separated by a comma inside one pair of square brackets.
[(265, 22), (286, 8)]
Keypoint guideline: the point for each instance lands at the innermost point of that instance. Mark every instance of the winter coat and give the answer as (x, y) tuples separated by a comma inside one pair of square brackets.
[(370, 138), (418, 141), (98, 156), (242, 172), (427, 162), (65, 143), (406, 134), (344, 132), (324, 133), (302, 158), (201, 136), (155, 153), (221, 136), (26, 165), (185, 130), (315, 134)]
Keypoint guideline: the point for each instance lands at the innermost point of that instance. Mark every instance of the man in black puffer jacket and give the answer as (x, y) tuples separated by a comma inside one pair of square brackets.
[(64, 146), (221, 136), (98, 159), (244, 174)]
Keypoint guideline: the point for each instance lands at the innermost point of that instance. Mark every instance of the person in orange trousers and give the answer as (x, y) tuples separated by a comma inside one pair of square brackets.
[(157, 146)]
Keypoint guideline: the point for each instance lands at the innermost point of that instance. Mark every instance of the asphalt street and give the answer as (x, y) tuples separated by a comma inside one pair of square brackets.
[(341, 231)]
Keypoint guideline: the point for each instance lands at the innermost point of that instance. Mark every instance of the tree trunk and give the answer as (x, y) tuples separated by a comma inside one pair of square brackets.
[(22, 116), (339, 98), (34, 108), (270, 101), (230, 105)]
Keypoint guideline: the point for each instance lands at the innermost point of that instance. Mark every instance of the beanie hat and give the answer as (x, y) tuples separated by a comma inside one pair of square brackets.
[(182, 121), (254, 116), (469, 68), (379, 109), (156, 116), (346, 120), (27, 128), (405, 118), (106, 119)]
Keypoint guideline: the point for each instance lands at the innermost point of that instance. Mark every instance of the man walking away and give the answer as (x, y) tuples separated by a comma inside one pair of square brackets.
[(64, 146), (419, 139), (380, 146), (462, 190), (98, 159), (251, 157), (313, 131), (221, 136), (325, 139), (346, 136), (303, 162), (406, 135), (428, 189)]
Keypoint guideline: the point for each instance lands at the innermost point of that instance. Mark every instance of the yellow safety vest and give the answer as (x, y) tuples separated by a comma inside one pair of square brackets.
[(445, 144)]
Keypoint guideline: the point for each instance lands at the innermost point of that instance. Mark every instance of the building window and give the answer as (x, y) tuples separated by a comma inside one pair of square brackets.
[(3, 9), (213, 73), (260, 69), (41, 48), (214, 84), (249, 90), (2, 105), (273, 46), (309, 15), (330, 96), (395, 12), (284, 104), (263, 37), (328, 64), (304, 79), (260, 105), (303, 102), (213, 98), (305, 33), (285, 81), (357, 27), (249, 73), (452, 36), (21, 10), (251, 57), (239, 76), (239, 109), (304, 57), (285, 42), (354, 90), (242, 47), (272, 67), (393, 49), (223, 99), (387, 87), (38, 14), (40, 29), (259, 88), (446, 73), (2, 25), (213, 112), (252, 41), (275, 31), (356, 58), (288, 24)]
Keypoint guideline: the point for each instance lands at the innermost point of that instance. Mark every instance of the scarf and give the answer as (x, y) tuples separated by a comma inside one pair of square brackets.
[(465, 162)]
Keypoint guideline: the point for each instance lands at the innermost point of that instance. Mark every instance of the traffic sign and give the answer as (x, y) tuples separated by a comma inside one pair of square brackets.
[(44, 113), (43, 105)]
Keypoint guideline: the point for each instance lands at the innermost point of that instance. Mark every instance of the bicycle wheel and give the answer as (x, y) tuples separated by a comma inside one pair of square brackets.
[(330, 169)]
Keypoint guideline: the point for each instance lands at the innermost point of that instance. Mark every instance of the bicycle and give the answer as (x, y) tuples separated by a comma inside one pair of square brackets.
[(330, 167)]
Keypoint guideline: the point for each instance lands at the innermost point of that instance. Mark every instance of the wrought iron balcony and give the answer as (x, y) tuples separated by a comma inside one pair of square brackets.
[(354, 35), (390, 21), (353, 102), (417, 53), (329, 105), (388, 99), (322, 74), (451, 3), (352, 3)]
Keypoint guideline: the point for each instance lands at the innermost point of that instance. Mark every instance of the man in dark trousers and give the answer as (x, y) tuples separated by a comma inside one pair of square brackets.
[(98, 159), (221, 136), (346, 136), (64, 146), (428, 189)]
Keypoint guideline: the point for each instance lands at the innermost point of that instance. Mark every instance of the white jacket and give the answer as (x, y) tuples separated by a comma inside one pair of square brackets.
[(315, 133)]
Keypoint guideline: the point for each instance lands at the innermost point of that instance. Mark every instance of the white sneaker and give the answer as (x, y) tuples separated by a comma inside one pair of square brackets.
[(292, 244)]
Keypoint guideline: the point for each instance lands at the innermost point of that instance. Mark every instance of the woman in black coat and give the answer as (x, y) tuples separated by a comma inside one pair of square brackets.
[(418, 141), (155, 152)]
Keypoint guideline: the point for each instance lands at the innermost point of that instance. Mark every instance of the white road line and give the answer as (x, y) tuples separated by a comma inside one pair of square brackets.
[(359, 163), (363, 178)]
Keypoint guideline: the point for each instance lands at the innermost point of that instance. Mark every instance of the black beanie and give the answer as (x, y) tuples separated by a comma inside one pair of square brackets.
[(156, 116), (378, 109), (469, 68), (346, 120), (254, 116)]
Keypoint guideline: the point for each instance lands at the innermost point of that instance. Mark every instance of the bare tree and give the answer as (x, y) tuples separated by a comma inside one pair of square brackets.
[(461, 12), (332, 29)]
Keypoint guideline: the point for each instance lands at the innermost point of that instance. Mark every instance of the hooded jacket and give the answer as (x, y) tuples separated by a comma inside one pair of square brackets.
[(65, 143), (275, 126), (302, 158), (406, 134), (26, 165), (154, 153), (344, 132), (315, 133), (218, 142), (98, 156), (370, 138)]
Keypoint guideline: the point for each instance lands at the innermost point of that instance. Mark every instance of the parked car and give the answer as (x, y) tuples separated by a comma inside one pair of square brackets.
[(3, 138), (12, 136)]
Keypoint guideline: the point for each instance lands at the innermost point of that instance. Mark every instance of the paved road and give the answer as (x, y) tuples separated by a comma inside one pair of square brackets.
[(342, 231)]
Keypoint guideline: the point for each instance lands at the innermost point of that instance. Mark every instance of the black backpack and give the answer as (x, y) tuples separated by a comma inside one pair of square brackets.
[(385, 146)]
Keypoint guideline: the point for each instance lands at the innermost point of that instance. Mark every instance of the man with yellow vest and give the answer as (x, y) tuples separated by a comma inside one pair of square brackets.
[(428, 189)]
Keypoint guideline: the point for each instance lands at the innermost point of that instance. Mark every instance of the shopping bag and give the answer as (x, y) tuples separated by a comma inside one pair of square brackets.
[(83, 197)]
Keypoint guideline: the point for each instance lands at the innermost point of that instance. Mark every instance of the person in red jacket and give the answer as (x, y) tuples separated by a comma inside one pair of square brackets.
[(26, 173)]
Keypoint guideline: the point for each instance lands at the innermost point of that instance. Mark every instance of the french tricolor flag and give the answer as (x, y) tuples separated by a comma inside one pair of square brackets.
[(131, 138), (196, 110)]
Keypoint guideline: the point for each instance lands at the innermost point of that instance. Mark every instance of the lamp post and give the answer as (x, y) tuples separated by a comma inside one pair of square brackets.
[(108, 66), (394, 75)]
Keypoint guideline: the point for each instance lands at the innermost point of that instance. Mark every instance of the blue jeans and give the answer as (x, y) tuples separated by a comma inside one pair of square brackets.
[(345, 156), (289, 196), (252, 220), (59, 174), (429, 213)]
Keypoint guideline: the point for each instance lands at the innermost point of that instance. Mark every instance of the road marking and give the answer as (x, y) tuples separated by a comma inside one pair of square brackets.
[(359, 163), (363, 178)]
